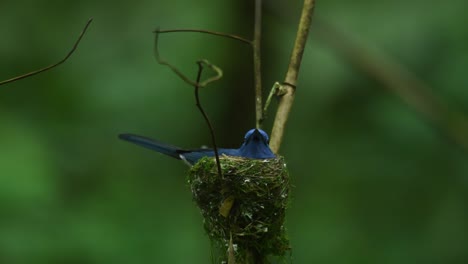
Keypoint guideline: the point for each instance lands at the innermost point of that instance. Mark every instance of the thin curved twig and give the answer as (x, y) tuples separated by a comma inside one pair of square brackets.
[(218, 72), (215, 33), (200, 64), (77, 42)]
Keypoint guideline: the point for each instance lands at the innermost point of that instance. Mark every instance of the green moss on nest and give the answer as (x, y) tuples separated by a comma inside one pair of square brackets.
[(260, 191)]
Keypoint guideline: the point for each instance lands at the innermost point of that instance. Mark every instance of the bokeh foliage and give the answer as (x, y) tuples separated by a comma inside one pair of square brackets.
[(374, 181)]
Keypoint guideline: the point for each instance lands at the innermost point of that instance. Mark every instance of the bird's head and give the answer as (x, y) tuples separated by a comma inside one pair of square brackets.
[(257, 136), (256, 145)]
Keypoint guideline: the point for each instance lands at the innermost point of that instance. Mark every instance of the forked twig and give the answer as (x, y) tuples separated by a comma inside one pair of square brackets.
[(218, 72), (77, 42), (256, 47), (289, 84)]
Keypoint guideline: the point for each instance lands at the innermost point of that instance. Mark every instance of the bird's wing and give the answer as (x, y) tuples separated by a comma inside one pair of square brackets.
[(153, 145), (193, 155), (189, 156)]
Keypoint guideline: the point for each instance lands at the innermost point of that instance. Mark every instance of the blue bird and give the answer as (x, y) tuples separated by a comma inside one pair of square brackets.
[(255, 146)]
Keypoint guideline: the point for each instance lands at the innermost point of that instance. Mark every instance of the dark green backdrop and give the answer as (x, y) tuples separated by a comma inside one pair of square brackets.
[(375, 182)]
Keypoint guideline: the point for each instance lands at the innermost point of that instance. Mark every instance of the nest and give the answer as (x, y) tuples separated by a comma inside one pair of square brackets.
[(247, 203)]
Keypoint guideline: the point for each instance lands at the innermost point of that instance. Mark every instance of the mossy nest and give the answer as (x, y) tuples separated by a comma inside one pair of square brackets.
[(248, 203)]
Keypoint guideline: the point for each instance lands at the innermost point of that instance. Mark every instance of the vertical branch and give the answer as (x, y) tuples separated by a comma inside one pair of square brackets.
[(289, 85), (257, 63)]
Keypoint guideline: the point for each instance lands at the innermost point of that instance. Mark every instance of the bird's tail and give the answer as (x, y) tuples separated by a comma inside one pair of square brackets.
[(148, 143)]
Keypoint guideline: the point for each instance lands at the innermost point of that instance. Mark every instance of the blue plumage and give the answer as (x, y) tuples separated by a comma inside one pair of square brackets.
[(255, 146)]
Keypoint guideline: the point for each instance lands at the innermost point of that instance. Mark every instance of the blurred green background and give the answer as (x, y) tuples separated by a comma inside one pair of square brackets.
[(375, 182)]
